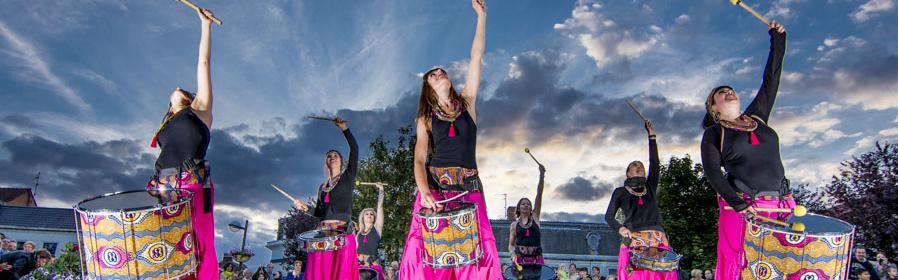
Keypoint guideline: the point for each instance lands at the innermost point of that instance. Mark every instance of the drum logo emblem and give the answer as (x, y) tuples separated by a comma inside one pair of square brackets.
[(186, 244), (432, 224), (755, 230), (112, 257), (172, 211), (465, 221), (155, 253), (809, 276), (765, 271)]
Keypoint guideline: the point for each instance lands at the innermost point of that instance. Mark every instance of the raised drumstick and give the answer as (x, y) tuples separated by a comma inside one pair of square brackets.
[(320, 118), (195, 7), (360, 183), (752, 11), (644, 119), (284, 193), (527, 150)]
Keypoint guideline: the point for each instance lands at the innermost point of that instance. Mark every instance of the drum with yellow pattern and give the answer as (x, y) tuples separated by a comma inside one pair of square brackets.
[(451, 236)]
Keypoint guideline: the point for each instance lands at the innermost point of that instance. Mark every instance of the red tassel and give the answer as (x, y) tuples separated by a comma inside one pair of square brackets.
[(153, 143), (754, 139), (640, 201), (327, 198), (365, 240), (527, 233), (451, 130)]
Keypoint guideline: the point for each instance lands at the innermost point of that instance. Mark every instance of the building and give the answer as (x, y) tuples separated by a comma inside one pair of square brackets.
[(50, 228), (17, 197)]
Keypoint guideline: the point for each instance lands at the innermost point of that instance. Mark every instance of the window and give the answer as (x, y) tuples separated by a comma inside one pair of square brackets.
[(50, 246)]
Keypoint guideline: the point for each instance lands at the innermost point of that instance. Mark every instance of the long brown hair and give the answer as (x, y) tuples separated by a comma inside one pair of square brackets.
[(428, 100), (711, 116)]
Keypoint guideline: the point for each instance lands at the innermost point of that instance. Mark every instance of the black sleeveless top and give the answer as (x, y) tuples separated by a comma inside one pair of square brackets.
[(458, 151), (184, 137), (337, 205), (522, 238), (370, 247)]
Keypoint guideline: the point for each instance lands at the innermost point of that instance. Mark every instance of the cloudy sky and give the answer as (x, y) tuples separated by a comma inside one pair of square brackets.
[(84, 84)]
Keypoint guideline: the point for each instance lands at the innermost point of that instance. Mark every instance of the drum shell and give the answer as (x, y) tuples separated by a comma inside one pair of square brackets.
[(670, 261), (451, 238), (154, 242), (775, 253), (312, 243), (532, 272)]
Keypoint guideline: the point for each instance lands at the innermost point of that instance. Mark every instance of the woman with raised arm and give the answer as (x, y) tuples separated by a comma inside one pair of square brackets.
[(638, 201), (743, 144), (524, 244), (446, 125), (183, 137), (371, 226), (334, 207)]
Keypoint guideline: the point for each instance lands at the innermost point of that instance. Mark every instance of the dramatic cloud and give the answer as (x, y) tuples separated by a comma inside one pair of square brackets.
[(870, 9), (583, 189), (573, 217)]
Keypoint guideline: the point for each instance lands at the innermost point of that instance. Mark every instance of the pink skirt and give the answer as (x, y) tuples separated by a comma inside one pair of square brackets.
[(334, 265), (731, 234), (413, 267)]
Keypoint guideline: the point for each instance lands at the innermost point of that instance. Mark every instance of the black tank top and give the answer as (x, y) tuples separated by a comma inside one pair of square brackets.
[(458, 151), (370, 247), (184, 137), (524, 238)]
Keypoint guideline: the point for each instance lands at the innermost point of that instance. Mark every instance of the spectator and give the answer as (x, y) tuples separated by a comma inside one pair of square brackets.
[(390, 274), (228, 272), (709, 275), (4, 244), (261, 274), (8, 245), (17, 264), (504, 267), (572, 272), (881, 263), (611, 277), (276, 276), (860, 262), (582, 274), (597, 273), (562, 273), (696, 274), (296, 274), (29, 246), (891, 272)]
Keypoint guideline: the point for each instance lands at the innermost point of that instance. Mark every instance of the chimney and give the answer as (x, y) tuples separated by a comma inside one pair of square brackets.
[(509, 213)]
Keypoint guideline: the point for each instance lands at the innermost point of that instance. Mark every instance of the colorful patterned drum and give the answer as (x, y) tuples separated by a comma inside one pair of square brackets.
[(654, 258), (322, 240), (136, 235), (822, 251), (451, 236), (535, 272)]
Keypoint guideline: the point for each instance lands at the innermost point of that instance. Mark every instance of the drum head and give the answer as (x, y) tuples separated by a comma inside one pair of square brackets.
[(529, 272), (819, 225), (367, 274), (449, 209), (134, 200), (319, 234)]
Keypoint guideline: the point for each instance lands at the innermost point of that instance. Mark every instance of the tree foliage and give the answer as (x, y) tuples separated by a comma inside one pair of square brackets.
[(689, 210)]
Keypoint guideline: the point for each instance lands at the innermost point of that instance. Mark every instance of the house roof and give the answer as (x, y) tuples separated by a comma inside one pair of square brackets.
[(20, 217), (17, 196)]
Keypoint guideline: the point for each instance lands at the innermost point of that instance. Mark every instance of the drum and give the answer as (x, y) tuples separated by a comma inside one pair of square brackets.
[(822, 251), (529, 272), (366, 273), (322, 240), (136, 235), (451, 236), (654, 258)]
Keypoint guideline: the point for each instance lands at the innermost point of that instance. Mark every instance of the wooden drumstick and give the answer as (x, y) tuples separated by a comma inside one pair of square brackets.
[(320, 118), (197, 8), (284, 193), (527, 150), (793, 226), (799, 210), (752, 11), (360, 183), (644, 119)]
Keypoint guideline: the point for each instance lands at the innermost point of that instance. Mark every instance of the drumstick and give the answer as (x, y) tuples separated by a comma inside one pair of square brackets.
[(527, 150), (644, 119), (360, 183), (793, 226), (321, 118), (752, 11), (195, 7), (284, 193), (799, 210)]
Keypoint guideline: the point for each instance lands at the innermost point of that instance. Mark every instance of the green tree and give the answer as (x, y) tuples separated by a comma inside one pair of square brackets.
[(689, 210), (391, 164)]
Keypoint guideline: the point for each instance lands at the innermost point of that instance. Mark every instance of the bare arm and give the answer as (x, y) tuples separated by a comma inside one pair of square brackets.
[(202, 104), (379, 219), (420, 159), (511, 239), (472, 79), (538, 204)]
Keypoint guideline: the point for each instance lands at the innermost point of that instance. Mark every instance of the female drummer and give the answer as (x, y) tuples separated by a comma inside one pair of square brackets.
[(446, 124), (183, 138), (371, 225), (524, 245), (334, 208), (642, 219), (743, 144)]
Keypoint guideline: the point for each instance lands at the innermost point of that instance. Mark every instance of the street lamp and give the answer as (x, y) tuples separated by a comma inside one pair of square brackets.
[(234, 227)]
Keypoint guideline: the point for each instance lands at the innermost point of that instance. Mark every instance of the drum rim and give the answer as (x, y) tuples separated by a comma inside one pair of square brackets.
[(299, 236), (679, 256), (472, 205), (852, 228), (542, 267), (183, 200)]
